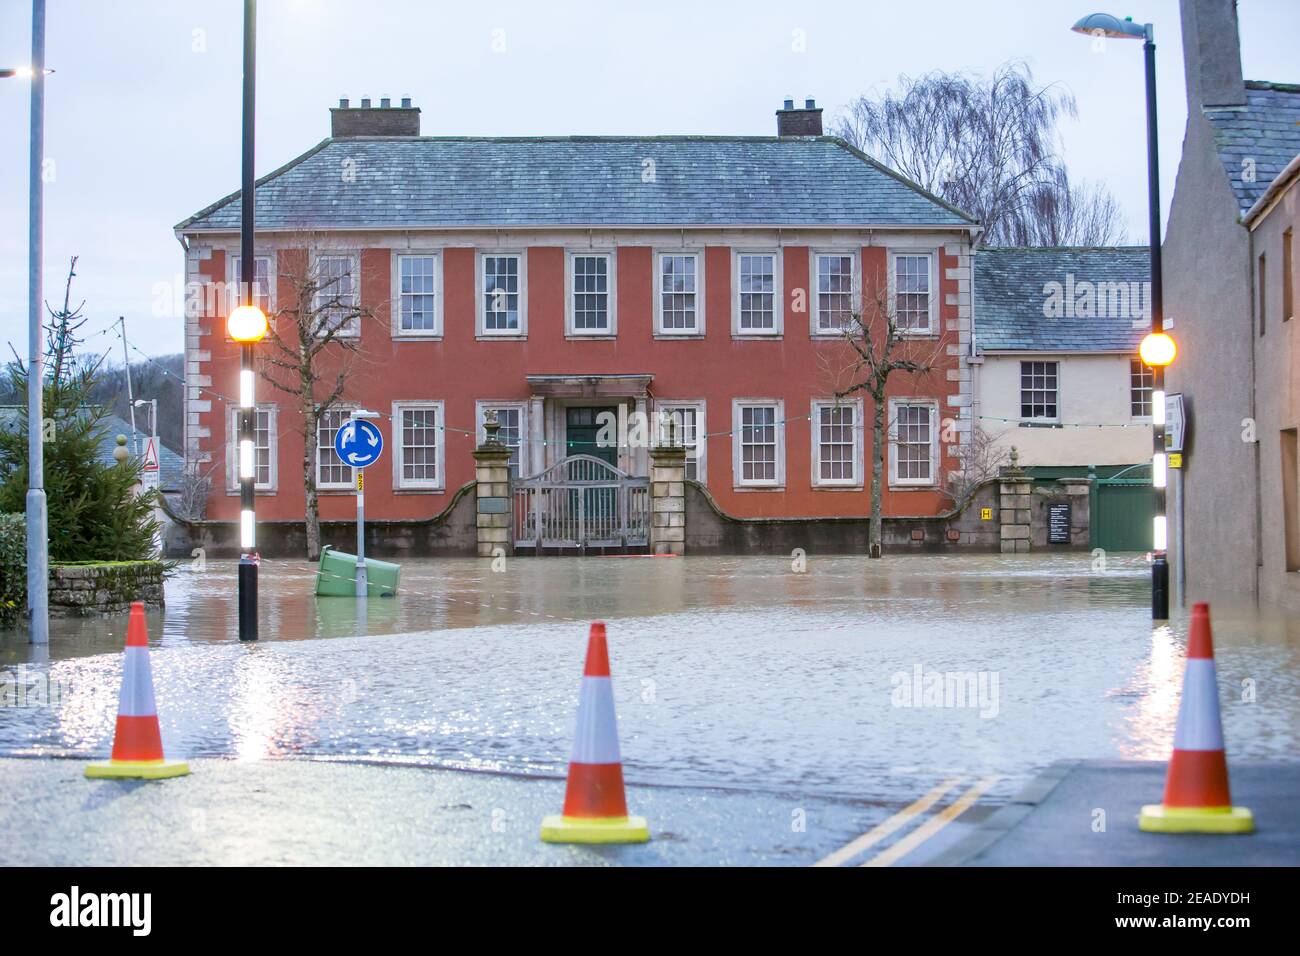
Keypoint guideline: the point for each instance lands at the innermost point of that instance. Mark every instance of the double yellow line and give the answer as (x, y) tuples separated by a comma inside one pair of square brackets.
[(925, 831)]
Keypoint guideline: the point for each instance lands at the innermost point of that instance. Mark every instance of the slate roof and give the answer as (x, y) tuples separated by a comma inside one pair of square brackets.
[(1011, 298), (171, 466), (1265, 130), (448, 182)]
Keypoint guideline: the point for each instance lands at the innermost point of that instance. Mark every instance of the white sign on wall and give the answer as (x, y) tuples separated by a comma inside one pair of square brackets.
[(1175, 422)]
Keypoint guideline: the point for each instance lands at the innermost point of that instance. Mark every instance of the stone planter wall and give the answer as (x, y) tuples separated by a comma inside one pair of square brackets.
[(110, 587)]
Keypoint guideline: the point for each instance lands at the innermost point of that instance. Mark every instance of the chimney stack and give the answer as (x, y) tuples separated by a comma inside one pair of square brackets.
[(1212, 54), (387, 120), (799, 122)]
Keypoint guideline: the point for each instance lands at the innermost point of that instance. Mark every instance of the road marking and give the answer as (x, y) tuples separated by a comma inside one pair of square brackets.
[(882, 830), (932, 826)]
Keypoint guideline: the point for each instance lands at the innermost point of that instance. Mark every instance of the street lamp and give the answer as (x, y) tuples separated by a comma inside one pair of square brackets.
[(38, 538), (247, 326), (1158, 349)]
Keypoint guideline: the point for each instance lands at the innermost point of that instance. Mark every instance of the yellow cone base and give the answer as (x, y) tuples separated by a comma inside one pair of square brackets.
[(137, 769), (1157, 818), (595, 830)]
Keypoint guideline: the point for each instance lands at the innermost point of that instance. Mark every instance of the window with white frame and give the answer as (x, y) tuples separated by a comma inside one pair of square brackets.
[(502, 294), (335, 303), (687, 419), (1142, 379), (834, 292), (913, 440), (261, 282), (263, 449), (513, 419), (1038, 390), (418, 427), (837, 444), (757, 293), (913, 299), (331, 472), (759, 434), (589, 304), (417, 295), (679, 312)]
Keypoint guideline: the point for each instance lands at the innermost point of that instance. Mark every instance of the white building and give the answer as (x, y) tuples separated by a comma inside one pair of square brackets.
[(1056, 368)]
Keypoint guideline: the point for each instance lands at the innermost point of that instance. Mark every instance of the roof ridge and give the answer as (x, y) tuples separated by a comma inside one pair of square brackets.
[(1273, 85)]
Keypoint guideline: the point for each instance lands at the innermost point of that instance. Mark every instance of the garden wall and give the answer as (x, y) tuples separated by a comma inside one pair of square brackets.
[(104, 587)]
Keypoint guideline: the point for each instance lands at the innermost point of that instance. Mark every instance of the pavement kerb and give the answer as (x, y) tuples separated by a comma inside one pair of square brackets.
[(1006, 818)]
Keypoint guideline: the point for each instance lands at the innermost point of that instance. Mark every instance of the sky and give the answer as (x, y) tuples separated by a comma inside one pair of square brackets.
[(143, 111)]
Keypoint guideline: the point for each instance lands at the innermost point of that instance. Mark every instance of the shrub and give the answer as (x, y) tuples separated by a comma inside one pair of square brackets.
[(13, 567)]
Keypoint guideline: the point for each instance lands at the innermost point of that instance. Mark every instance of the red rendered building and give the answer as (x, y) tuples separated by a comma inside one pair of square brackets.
[(571, 282)]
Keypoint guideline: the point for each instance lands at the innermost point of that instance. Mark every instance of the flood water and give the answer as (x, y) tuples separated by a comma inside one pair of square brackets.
[(729, 672)]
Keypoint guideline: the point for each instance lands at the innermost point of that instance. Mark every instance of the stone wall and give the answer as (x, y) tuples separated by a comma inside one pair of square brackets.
[(451, 533), (977, 526), (107, 587)]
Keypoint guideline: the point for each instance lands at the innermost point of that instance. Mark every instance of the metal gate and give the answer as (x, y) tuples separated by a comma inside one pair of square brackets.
[(582, 502), (1121, 511)]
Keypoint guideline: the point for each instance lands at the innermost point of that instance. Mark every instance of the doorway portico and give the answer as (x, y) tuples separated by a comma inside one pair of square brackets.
[(554, 404)]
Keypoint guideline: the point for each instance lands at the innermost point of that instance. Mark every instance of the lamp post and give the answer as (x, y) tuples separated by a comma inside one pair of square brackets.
[(1158, 349), (247, 326), (38, 540)]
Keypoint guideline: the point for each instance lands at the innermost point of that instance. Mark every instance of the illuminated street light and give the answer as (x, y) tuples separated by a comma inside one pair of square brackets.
[(247, 325), (1158, 350)]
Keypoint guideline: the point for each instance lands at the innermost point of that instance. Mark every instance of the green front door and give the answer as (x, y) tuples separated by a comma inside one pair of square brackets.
[(581, 428)]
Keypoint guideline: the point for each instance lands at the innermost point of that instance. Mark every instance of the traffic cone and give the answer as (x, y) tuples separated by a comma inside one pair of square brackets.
[(1196, 791), (137, 743), (595, 807)]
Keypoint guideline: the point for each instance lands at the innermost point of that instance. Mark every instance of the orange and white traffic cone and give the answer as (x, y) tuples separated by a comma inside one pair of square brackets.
[(595, 806), (137, 743), (1196, 791)]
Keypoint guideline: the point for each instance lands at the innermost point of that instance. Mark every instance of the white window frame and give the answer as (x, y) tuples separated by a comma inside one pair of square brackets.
[(701, 432), (480, 285), (611, 310), (400, 482), (856, 480), (346, 411), (739, 483), (232, 280), (933, 327), (778, 295), (894, 479), (396, 305), (354, 271), (232, 449), (1150, 392), (855, 288), (481, 407), (698, 331), (1020, 389)]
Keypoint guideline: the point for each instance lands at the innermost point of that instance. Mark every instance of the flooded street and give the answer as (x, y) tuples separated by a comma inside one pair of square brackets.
[(728, 672)]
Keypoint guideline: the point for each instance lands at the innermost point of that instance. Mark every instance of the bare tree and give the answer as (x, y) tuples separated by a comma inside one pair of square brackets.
[(988, 146), (979, 458), (313, 349), (872, 348)]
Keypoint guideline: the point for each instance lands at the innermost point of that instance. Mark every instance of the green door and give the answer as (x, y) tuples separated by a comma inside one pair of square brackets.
[(581, 428), (1122, 515)]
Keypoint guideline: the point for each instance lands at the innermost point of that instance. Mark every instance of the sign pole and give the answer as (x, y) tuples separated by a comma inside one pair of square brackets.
[(362, 583), (359, 443)]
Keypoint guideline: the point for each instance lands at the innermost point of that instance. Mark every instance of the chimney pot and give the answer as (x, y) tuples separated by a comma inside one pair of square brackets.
[(406, 102), (365, 102), (385, 103), (789, 104), (810, 104), (343, 103)]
